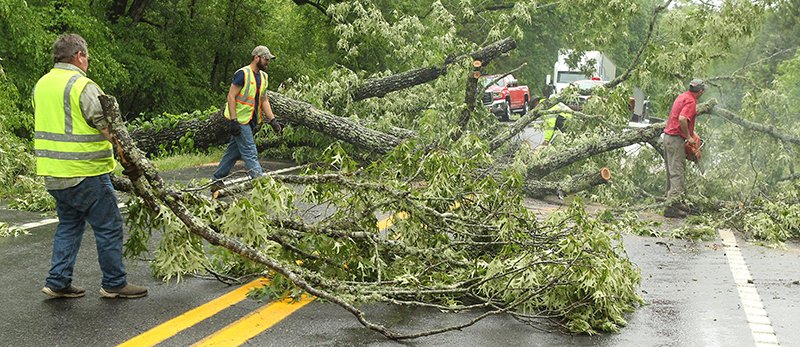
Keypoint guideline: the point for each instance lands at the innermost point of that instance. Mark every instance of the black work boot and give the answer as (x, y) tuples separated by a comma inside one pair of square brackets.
[(674, 212), (217, 185), (688, 210)]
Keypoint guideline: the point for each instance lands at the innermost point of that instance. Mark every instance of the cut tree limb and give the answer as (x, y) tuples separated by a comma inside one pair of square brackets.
[(538, 189), (586, 150), (206, 133), (158, 190), (382, 86), (213, 130)]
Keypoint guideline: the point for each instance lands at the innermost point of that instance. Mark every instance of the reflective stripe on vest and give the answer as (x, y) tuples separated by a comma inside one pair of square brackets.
[(65, 144), (246, 99)]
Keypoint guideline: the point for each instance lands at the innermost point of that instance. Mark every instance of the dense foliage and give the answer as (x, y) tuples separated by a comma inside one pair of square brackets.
[(457, 239), (455, 223)]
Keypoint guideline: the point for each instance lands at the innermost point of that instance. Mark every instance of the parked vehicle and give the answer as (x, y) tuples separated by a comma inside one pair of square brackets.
[(594, 62), (585, 88), (503, 96)]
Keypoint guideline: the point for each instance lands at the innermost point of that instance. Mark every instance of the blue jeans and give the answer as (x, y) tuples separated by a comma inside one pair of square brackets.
[(242, 146), (92, 201)]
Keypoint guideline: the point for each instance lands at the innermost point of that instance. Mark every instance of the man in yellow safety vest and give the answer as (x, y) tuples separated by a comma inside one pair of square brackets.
[(74, 154), (247, 101)]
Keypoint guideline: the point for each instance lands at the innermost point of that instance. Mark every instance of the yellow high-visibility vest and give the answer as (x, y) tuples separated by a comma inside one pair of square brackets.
[(551, 119), (246, 99), (65, 145)]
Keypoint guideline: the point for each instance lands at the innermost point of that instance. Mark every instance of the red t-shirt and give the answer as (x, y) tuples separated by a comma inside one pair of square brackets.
[(684, 105)]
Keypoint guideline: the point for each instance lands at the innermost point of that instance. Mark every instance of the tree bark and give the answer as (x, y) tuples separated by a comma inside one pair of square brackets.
[(470, 95), (116, 10), (302, 113), (538, 189), (206, 133), (382, 86)]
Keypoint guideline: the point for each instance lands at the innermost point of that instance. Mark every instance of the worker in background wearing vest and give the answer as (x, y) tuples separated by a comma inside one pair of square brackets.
[(74, 154), (555, 122), (247, 101)]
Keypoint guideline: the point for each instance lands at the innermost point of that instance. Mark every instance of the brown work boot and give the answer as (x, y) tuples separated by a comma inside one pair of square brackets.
[(674, 212), (129, 291), (68, 292)]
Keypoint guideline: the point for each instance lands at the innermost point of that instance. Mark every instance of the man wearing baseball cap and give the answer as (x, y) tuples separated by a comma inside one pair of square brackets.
[(247, 102), (678, 132)]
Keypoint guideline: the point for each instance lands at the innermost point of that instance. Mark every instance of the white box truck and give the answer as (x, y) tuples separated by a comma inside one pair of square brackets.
[(601, 68)]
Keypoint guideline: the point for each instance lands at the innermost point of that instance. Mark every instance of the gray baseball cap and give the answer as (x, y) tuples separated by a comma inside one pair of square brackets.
[(697, 85), (262, 51)]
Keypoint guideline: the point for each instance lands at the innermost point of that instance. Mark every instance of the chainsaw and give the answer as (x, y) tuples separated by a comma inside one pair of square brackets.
[(694, 152)]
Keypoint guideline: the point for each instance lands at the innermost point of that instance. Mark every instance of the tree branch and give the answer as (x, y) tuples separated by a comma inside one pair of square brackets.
[(382, 86), (538, 189), (763, 128), (635, 63), (588, 149)]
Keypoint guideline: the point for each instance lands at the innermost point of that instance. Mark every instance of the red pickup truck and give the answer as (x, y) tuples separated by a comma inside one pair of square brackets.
[(502, 96)]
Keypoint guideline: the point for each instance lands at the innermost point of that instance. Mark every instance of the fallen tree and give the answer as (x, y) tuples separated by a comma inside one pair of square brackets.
[(458, 243)]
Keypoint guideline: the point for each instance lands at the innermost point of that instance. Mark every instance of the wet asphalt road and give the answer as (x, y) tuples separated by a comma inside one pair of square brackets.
[(691, 296), (691, 301)]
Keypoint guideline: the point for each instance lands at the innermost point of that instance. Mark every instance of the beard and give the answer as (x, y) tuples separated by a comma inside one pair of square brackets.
[(262, 66)]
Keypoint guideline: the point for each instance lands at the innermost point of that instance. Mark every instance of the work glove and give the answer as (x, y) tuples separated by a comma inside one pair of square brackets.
[(130, 170), (276, 127), (234, 128)]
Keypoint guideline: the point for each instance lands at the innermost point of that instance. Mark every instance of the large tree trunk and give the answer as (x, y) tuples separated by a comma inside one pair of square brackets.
[(214, 130), (302, 113), (206, 133)]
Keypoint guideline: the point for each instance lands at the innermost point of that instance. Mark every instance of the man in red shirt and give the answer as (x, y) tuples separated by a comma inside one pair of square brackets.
[(680, 130)]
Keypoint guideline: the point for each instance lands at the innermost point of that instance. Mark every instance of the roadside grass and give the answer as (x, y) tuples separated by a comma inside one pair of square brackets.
[(183, 161)]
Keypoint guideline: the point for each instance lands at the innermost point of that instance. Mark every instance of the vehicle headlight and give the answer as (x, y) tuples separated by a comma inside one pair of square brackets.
[(496, 95)]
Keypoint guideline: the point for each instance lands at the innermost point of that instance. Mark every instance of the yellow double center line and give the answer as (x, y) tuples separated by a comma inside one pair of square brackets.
[(234, 334), (241, 330)]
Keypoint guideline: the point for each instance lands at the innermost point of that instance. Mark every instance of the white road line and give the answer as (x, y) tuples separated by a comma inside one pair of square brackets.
[(757, 318), (31, 225)]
